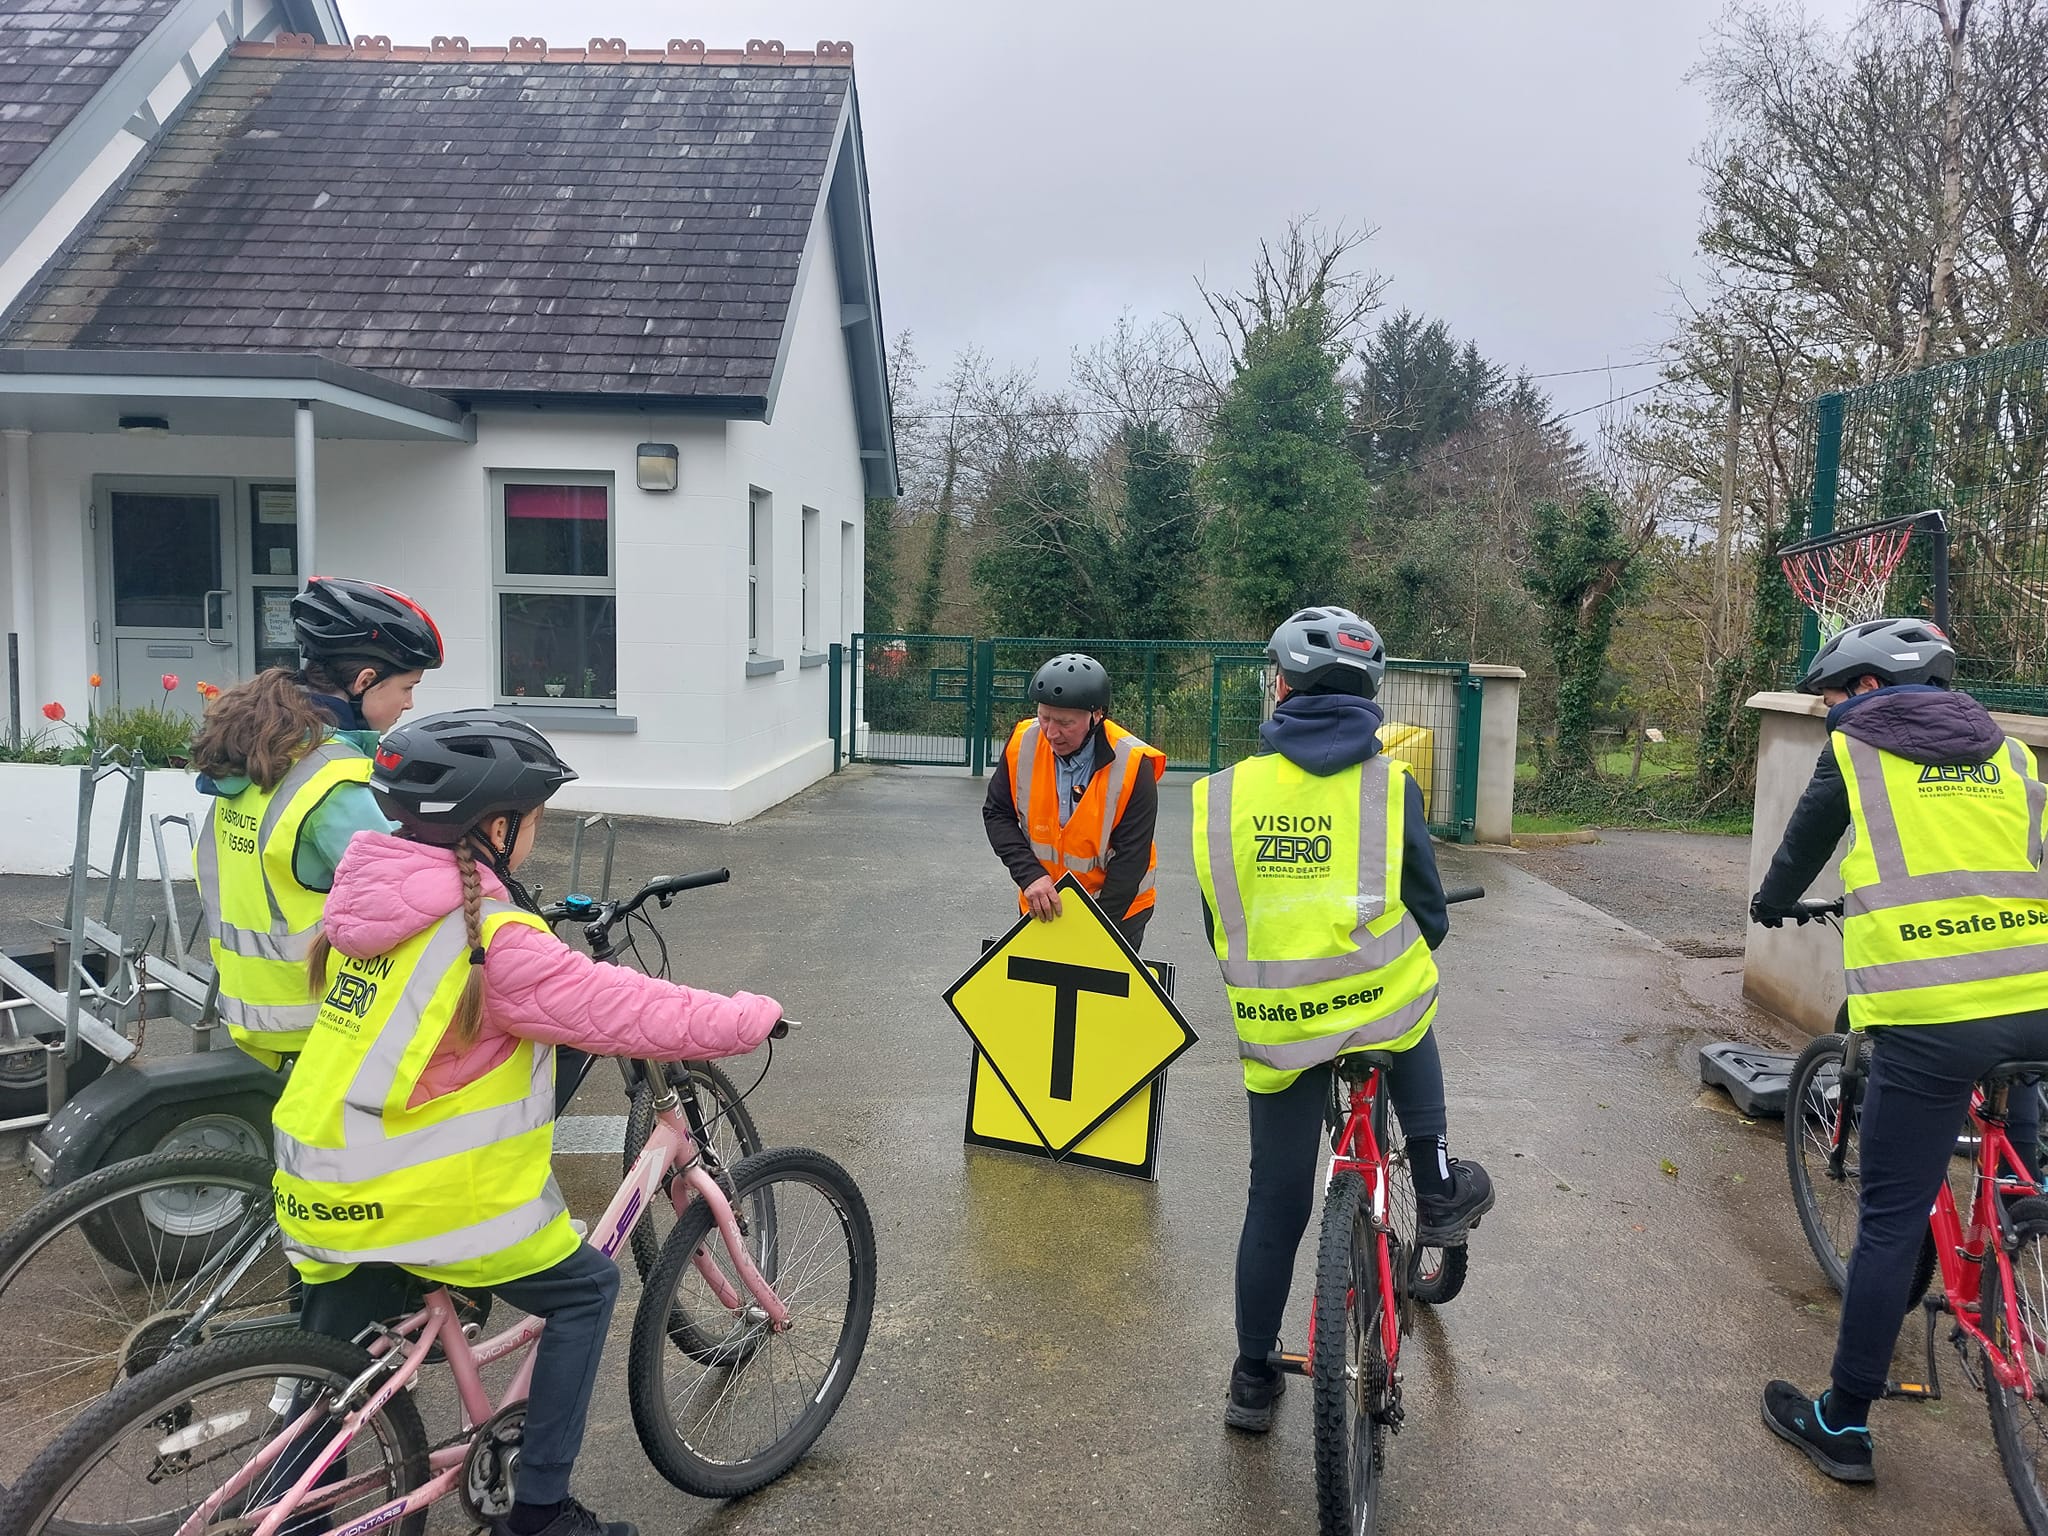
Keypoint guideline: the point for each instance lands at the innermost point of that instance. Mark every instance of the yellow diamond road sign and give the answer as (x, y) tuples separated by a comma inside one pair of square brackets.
[(1069, 1018)]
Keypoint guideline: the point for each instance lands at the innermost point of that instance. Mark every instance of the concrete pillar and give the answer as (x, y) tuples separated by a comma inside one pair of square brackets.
[(1500, 726), (21, 566), (302, 491)]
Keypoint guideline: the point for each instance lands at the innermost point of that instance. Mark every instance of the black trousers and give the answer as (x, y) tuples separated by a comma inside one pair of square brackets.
[(1915, 1104), (575, 1296), (1288, 1134)]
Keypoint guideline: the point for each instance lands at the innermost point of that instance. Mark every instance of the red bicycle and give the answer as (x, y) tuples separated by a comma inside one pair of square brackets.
[(1370, 1272), (1993, 1262)]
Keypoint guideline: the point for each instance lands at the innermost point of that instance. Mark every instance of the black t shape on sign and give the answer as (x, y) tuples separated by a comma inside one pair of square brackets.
[(1068, 982)]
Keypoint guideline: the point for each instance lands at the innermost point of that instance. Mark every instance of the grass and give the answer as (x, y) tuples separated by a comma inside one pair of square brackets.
[(1530, 822)]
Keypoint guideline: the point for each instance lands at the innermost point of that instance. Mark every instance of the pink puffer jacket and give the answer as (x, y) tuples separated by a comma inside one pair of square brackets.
[(535, 986)]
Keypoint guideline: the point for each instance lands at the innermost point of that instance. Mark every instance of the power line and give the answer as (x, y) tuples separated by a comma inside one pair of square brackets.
[(1568, 373)]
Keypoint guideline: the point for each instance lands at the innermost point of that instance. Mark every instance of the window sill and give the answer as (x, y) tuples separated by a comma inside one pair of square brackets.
[(761, 666), (813, 659), (546, 717)]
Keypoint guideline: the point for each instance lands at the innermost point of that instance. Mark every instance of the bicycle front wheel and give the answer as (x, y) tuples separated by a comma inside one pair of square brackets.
[(1351, 1375), (1827, 1201), (2019, 1423), (727, 1124), (738, 1406), (141, 1460), (98, 1277)]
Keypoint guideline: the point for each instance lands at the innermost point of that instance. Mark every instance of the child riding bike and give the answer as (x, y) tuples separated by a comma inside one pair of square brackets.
[(1943, 893), (417, 1129), (286, 760)]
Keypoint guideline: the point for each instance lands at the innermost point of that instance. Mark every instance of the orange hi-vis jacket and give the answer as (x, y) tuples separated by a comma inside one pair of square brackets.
[(1081, 847)]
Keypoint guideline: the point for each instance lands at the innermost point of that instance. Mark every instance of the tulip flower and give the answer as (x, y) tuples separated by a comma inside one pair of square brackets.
[(53, 711), (169, 680), (93, 681)]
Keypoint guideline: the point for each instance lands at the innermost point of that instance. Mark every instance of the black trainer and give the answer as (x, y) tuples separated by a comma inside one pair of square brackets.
[(1841, 1451), (1251, 1398), (1444, 1223), (572, 1520)]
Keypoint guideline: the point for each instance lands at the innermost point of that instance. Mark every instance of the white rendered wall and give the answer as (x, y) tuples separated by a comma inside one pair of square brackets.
[(710, 743)]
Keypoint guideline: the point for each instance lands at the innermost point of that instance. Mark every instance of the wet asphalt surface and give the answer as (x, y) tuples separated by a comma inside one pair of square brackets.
[(1050, 1345)]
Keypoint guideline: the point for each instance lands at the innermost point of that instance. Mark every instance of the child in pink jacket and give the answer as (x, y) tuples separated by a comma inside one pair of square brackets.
[(466, 790)]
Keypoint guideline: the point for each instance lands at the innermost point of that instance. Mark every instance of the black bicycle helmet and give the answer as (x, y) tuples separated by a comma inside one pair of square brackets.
[(442, 776), (1331, 650), (337, 618), (1890, 650), (1072, 681)]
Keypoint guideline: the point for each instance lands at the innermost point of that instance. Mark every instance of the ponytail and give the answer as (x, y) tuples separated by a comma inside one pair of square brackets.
[(469, 1008), (316, 965)]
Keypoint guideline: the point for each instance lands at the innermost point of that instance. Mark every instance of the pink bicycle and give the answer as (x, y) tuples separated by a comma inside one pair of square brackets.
[(749, 1330)]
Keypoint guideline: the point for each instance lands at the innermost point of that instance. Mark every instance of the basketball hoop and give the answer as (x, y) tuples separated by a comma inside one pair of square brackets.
[(1845, 577)]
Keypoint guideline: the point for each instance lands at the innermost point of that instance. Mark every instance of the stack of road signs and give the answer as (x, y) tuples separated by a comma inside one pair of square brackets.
[(1072, 1033)]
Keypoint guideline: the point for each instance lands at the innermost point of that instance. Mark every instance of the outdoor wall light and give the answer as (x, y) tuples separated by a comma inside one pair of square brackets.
[(147, 426), (655, 467)]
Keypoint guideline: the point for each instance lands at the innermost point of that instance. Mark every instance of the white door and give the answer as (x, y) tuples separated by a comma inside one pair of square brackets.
[(168, 589)]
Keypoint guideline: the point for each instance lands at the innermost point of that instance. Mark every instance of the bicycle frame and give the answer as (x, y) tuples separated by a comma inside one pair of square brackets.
[(1358, 1151), (1960, 1248), (399, 1352)]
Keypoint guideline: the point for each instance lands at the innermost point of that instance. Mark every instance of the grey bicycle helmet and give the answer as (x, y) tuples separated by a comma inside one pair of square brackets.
[(1072, 681), (1890, 650), (1329, 650), (441, 776), (336, 619)]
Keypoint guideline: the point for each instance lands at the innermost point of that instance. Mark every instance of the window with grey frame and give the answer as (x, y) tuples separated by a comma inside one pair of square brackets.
[(760, 554), (556, 588), (811, 576)]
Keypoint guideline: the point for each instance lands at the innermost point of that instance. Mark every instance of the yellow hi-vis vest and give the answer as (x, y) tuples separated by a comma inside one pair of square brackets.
[(1302, 874), (261, 921), (1945, 906), (459, 1189)]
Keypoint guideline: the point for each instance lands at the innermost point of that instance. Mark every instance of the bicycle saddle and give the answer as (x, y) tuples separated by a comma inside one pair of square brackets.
[(2012, 1071), (1355, 1064)]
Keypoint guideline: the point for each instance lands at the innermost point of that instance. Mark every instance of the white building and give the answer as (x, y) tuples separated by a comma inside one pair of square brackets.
[(582, 348)]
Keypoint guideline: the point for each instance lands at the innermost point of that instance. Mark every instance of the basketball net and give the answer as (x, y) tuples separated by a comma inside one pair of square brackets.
[(1847, 583)]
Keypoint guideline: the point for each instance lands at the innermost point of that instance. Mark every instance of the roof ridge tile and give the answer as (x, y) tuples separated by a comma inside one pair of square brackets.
[(378, 47)]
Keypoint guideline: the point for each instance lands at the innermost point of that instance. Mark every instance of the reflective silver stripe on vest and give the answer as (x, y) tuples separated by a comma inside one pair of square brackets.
[(1119, 771), (258, 1018), (2037, 795), (1296, 1055), (369, 1151), (1946, 885), (1020, 791), (207, 854), (291, 948), (1948, 970), (453, 1247), (1875, 796), (1374, 951)]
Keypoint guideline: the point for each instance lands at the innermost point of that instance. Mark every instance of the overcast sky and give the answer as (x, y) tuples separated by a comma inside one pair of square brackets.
[(1039, 166)]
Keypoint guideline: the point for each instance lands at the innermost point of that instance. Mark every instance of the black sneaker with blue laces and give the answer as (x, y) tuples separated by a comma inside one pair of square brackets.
[(1252, 1391), (1840, 1450)]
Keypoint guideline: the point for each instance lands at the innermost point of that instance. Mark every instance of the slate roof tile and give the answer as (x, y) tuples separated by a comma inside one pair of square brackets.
[(54, 57), (465, 227)]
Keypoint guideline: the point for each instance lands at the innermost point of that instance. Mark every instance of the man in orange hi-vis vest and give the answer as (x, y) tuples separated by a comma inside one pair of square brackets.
[(1077, 795)]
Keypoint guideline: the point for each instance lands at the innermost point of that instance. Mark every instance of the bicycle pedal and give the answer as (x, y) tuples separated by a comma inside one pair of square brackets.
[(1280, 1360), (1913, 1391)]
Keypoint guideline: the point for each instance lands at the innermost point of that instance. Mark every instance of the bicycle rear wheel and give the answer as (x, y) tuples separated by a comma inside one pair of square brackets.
[(141, 1460), (740, 1408), (1349, 1370), (727, 1122), (100, 1275), (2019, 1424)]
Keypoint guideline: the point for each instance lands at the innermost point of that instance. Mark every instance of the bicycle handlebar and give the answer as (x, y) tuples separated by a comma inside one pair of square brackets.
[(1458, 893), (602, 916)]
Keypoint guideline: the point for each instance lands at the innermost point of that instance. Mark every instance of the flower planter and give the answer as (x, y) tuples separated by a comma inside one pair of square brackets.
[(40, 828)]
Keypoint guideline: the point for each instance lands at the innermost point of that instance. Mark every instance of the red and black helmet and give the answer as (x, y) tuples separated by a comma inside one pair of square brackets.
[(338, 619)]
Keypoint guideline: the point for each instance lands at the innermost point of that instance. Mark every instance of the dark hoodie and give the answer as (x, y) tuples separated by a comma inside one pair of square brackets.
[(1914, 721), (1327, 733)]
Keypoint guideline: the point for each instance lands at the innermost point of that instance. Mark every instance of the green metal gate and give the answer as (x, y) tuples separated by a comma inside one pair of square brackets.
[(953, 701)]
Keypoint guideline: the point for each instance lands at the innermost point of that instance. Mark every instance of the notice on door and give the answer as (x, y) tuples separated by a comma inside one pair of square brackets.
[(277, 620)]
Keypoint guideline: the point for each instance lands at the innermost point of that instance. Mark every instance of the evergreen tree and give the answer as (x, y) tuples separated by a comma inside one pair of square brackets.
[(1289, 494), (1153, 579), (1041, 569), (878, 551), (1582, 569)]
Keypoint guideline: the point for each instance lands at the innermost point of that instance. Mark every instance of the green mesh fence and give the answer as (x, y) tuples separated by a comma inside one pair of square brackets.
[(1969, 437), (951, 701)]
